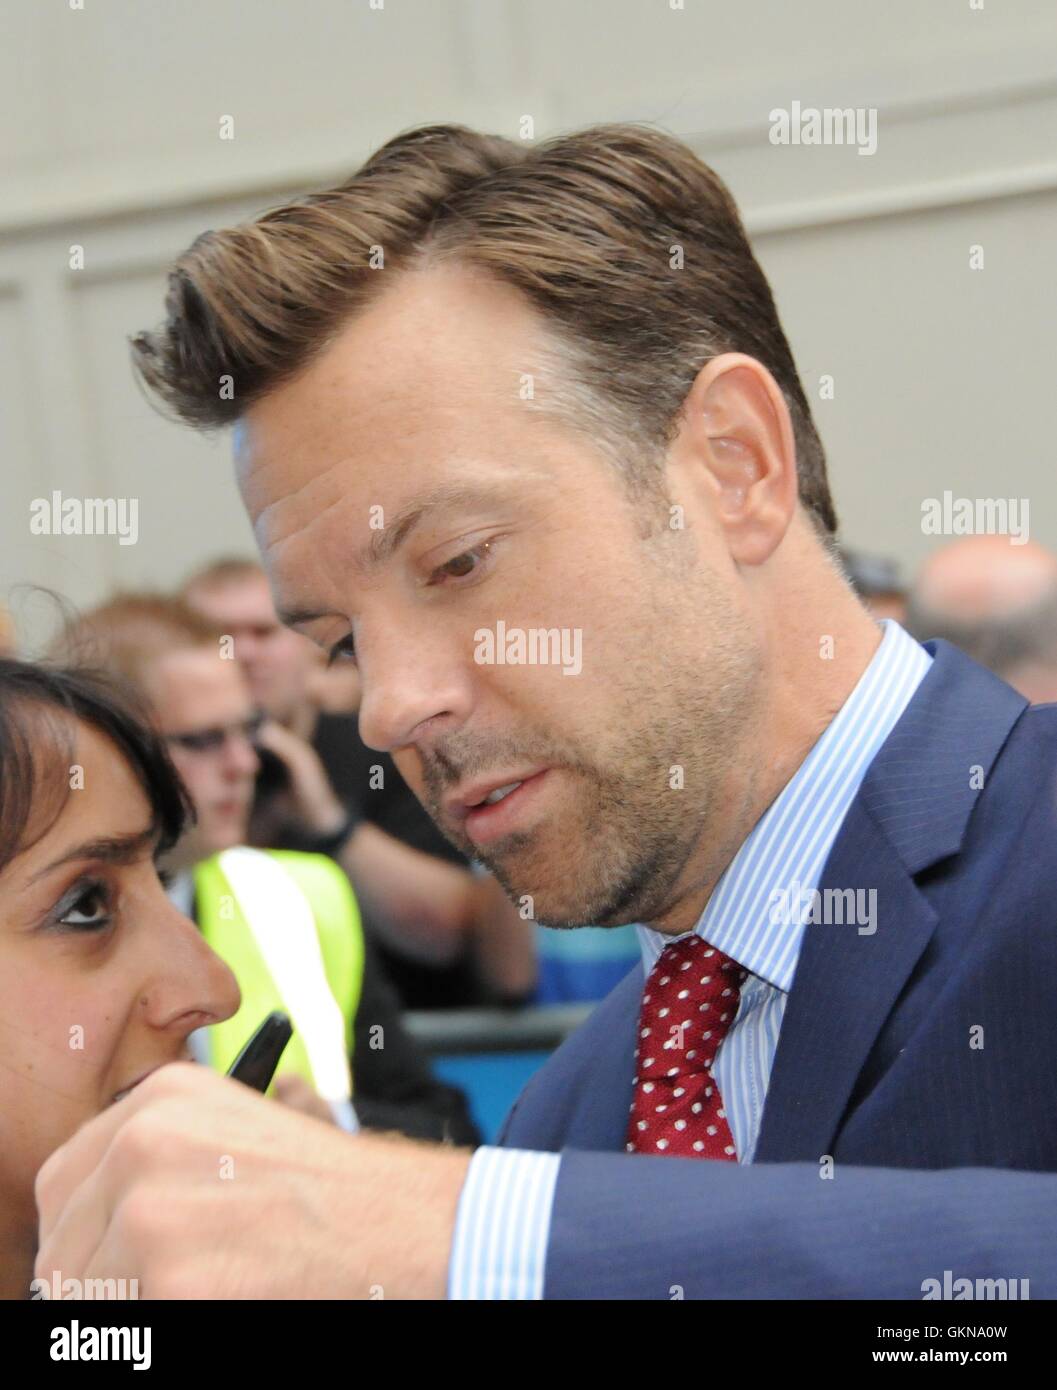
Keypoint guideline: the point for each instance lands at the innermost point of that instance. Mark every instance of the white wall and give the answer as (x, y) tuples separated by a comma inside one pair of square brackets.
[(943, 375)]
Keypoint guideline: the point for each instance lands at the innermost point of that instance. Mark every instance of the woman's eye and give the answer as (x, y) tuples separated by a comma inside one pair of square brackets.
[(345, 650), (88, 910)]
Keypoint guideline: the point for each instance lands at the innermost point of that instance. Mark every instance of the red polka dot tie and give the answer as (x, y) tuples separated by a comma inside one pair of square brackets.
[(690, 1001)]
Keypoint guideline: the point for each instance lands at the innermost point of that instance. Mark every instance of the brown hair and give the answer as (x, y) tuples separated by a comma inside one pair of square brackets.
[(128, 633), (629, 246), (40, 705), (218, 574)]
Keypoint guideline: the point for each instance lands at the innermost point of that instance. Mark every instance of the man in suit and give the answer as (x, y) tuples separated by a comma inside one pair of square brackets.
[(539, 457)]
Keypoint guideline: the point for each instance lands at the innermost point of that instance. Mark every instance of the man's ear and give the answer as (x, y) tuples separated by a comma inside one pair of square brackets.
[(738, 431)]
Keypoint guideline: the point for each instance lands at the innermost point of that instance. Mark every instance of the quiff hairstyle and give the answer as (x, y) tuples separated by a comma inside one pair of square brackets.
[(588, 226)]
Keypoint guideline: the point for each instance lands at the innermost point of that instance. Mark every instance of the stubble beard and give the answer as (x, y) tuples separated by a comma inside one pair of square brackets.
[(620, 849)]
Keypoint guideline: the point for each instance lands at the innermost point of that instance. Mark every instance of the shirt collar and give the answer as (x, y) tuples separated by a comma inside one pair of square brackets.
[(786, 850)]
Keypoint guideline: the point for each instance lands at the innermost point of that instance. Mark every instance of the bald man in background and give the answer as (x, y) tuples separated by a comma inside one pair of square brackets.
[(996, 601)]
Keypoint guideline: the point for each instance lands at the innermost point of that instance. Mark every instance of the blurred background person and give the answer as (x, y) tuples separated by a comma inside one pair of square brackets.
[(996, 601), (877, 581), (287, 922), (448, 935)]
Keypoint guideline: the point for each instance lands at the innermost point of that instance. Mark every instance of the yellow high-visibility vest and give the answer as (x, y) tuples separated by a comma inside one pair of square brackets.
[(288, 925)]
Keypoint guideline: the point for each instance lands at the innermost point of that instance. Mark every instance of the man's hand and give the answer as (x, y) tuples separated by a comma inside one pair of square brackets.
[(200, 1188)]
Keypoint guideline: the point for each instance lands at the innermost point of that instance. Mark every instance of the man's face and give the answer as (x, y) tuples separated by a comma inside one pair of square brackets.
[(195, 695), (624, 761), (277, 662)]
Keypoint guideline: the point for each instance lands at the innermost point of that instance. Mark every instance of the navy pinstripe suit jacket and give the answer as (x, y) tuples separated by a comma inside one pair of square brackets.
[(944, 1151)]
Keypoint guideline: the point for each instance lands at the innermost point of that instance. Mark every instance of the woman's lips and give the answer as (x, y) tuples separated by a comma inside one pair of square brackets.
[(120, 1095), (184, 1056)]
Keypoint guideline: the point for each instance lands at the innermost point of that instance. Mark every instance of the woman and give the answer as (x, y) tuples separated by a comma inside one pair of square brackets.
[(202, 704), (101, 978)]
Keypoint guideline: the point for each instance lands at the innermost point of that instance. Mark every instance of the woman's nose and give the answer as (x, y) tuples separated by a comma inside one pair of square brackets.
[(190, 987)]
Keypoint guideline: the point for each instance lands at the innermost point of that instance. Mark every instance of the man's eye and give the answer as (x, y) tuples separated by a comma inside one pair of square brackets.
[(463, 565), (87, 909)]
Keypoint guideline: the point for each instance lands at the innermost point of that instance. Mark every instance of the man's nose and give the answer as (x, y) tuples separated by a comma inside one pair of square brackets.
[(412, 684)]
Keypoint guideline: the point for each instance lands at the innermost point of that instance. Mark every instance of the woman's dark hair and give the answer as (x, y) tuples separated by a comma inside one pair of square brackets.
[(37, 699)]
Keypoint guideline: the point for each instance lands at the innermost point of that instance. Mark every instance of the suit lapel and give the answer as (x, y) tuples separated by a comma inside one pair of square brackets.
[(598, 1116), (843, 990), (912, 811)]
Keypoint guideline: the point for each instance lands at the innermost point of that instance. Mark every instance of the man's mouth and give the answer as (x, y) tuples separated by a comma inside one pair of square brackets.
[(487, 791), (487, 814), (499, 793)]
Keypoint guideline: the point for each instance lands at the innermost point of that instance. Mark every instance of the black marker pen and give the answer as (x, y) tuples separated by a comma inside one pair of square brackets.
[(256, 1063)]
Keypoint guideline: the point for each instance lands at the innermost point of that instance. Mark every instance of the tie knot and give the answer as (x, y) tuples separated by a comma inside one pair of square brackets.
[(683, 955), (691, 997)]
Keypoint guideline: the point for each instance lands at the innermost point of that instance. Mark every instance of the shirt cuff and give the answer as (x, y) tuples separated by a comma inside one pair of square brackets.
[(502, 1225)]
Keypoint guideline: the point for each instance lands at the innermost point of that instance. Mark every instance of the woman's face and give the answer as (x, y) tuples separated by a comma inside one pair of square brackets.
[(101, 978)]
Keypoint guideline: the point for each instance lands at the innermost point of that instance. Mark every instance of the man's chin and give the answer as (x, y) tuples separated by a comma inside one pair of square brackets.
[(549, 904)]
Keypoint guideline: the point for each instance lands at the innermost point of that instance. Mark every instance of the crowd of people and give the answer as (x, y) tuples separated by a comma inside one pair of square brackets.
[(264, 738), (197, 827), (266, 808)]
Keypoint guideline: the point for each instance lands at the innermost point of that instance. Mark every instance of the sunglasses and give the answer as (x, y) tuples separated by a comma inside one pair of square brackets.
[(212, 740)]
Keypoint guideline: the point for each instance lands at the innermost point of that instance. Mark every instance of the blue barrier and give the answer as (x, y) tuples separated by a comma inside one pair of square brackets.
[(492, 1082)]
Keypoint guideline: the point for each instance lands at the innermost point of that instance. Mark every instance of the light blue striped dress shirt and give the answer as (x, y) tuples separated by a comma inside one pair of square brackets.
[(756, 915)]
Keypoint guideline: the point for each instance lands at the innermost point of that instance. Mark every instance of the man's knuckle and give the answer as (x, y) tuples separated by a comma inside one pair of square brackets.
[(138, 1140), (139, 1217), (45, 1181)]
